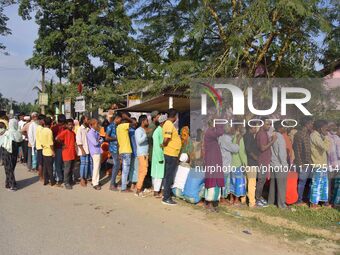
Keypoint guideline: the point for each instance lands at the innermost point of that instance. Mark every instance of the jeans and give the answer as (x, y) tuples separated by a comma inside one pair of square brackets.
[(133, 175), (126, 158), (58, 165), (171, 164), (115, 168), (85, 166), (68, 171), (305, 173)]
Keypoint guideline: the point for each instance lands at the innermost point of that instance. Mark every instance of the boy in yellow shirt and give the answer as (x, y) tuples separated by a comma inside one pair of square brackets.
[(124, 147), (47, 151)]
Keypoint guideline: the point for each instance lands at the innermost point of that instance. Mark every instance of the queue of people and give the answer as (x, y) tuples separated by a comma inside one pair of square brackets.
[(230, 165)]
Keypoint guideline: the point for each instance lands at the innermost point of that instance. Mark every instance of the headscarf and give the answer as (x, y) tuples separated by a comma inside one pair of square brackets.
[(11, 135), (186, 141)]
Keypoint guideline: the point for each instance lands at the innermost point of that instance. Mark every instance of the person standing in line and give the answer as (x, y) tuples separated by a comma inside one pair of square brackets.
[(47, 145), (94, 141), (41, 123), (133, 174), (31, 134), (68, 140), (142, 151), (157, 161), (172, 146), (213, 164), (111, 137), (320, 145), (264, 143), (58, 160), (227, 148), (27, 119), (9, 142), (238, 189), (302, 153), (252, 156), (83, 150), (278, 178), (21, 124), (124, 148), (333, 159)]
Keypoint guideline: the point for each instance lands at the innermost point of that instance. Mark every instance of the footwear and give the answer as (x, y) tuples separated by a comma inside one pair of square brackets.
[(263, 201), (157, 194), (259, 203), (82, 182), (126, 191), (113, 188), (97, 187), (13, 189), (169, 202), (139, 194), (68, 186)]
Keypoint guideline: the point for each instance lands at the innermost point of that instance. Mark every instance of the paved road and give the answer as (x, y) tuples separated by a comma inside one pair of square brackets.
[(46, 220)]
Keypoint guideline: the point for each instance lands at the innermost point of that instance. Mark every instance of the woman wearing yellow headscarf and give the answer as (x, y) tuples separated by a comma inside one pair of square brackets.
[(187, 146)]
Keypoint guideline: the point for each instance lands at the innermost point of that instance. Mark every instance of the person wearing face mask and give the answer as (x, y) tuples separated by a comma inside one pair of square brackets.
[(333, 158), (9, 142), (320, 145), (142, 151), (3, 128)]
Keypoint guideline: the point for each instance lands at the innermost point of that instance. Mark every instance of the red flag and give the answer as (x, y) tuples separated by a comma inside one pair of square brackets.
[(80, 87)]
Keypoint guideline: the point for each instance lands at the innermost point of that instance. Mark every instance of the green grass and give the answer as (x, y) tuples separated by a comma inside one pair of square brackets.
[(324, 218)]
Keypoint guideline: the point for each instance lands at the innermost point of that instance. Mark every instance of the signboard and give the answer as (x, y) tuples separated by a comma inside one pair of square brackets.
[(79, 105), (67, 108), (43, 99), (133, 100)]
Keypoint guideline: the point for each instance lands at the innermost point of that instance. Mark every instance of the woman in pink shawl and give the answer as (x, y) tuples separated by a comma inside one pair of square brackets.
[(214, 177)]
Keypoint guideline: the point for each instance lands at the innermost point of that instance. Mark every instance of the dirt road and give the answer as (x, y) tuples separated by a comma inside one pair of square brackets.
[(40, 219)]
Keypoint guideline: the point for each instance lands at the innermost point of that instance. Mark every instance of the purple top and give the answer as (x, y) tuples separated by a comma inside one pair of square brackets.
[(213, 157), (264, 157), (94, 141)]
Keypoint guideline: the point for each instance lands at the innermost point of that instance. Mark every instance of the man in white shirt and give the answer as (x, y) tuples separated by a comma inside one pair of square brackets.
[(83, 150), (31, 134)]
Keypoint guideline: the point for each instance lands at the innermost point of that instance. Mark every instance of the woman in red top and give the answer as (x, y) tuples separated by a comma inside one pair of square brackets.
[(68, 139)]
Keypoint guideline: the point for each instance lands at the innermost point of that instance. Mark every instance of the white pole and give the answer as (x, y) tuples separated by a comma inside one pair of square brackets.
[(171, 102)]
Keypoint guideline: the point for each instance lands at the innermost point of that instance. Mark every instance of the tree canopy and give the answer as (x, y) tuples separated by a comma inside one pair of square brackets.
[(114, 46)]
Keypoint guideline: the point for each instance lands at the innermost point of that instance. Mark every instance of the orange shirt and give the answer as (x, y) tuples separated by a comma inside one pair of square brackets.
[(68, 138)]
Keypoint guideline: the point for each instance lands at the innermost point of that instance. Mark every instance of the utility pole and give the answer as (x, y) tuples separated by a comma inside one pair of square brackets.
[(42, 107)]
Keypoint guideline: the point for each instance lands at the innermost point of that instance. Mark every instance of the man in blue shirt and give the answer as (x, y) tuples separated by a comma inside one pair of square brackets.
[(111, 137)]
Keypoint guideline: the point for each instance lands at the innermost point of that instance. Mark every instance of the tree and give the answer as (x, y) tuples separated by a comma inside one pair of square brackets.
[(207, 38), (4, 30)]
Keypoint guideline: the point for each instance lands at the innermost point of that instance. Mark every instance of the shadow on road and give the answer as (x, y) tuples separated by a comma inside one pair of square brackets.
[(27, 182)]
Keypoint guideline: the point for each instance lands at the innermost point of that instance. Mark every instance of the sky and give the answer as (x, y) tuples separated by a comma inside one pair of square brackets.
[(16, 79)]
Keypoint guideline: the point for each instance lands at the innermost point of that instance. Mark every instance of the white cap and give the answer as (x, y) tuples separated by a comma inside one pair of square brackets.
[(184, 157), (162, 118)]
